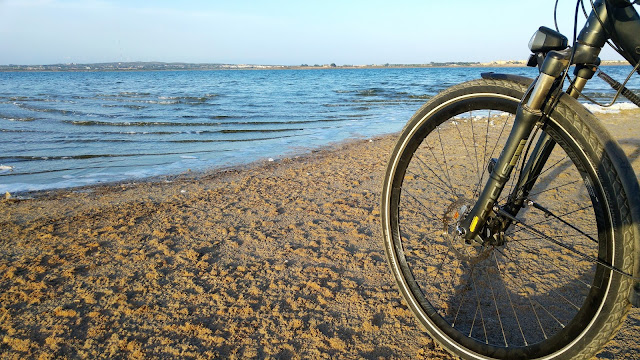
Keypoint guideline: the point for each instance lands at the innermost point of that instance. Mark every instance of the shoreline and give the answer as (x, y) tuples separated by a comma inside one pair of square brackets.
[(620, 107), (298, 154)]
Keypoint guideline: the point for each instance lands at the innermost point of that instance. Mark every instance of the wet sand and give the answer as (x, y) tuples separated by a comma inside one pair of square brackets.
[(279, 259)]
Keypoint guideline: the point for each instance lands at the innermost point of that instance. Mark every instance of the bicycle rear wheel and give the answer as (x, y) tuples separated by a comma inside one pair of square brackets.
[(538, 290)]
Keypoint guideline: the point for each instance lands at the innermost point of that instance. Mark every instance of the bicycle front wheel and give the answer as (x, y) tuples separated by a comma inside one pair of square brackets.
[(540, 290)]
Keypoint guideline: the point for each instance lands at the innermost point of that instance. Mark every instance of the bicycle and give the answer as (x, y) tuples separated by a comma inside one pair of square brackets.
[(533, 253)]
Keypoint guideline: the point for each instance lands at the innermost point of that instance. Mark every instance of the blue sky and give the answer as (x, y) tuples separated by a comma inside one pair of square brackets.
[(287, 32)]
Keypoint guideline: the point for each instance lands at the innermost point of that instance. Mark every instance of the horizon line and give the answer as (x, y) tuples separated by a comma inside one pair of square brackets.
[(128, 64)]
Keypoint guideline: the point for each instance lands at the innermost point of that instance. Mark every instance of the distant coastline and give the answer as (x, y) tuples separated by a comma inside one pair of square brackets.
[(163, 66)]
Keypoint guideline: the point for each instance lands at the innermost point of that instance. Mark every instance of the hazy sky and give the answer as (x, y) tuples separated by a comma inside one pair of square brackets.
[(288, 32)]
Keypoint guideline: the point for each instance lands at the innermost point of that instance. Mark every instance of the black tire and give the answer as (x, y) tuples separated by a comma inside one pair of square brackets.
[(536, 296)]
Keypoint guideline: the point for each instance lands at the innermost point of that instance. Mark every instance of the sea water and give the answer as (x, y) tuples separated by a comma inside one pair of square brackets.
[(66, 129)]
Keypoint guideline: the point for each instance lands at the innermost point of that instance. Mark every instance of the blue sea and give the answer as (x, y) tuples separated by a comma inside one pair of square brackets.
[(67, 129)]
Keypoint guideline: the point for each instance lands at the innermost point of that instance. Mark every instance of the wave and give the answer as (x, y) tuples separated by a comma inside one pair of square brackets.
[(257, 131), (136, 100), (371, 92), (127, 94), (159, 102), (131, 119), (379, 102), (126, 106), (131, 123), (385, 101), (123, 96), (208, 124), (202, 98), (92, 141), (41, 98), (617, 107), (388, 95), (197, 132), (15, 159), (22, 131), (45, 110), (98, 176), (220, 117), (24, 158), (148, 97), (188, 141), (13, 118)]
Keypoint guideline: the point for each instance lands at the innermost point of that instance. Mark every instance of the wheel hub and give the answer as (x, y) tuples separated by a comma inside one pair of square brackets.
[(468, 251)]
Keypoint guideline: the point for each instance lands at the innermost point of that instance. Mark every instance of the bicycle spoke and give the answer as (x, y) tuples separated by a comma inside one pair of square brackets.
[(495, 146), (422, 205), (475, 150), (443, 167), (556, 188), (531, 302), (547, 169), (453, 323), (484, 328), (435, 185), (579, 253), (550, 214), (559, 217), (486, 140), (495, 303), (551, 261), (524, 240), (495, 257), (534, 179), (444, 155), (538, 280), (464, 144), (475, 316), (422, 164)]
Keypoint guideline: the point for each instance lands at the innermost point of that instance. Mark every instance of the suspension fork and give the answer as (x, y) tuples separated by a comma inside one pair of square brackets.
[(543, 148), (527, 115)]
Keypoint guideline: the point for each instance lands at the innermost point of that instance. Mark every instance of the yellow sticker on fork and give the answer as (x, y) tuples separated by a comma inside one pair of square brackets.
[(514, 159), (474, 222)]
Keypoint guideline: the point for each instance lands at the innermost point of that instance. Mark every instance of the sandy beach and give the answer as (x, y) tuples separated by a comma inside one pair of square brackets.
[(280, 259)]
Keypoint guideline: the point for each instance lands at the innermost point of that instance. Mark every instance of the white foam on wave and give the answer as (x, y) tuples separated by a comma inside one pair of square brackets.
[(615, 108)]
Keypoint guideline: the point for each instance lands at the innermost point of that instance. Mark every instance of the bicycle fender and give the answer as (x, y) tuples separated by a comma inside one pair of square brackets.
[(508, 77)]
